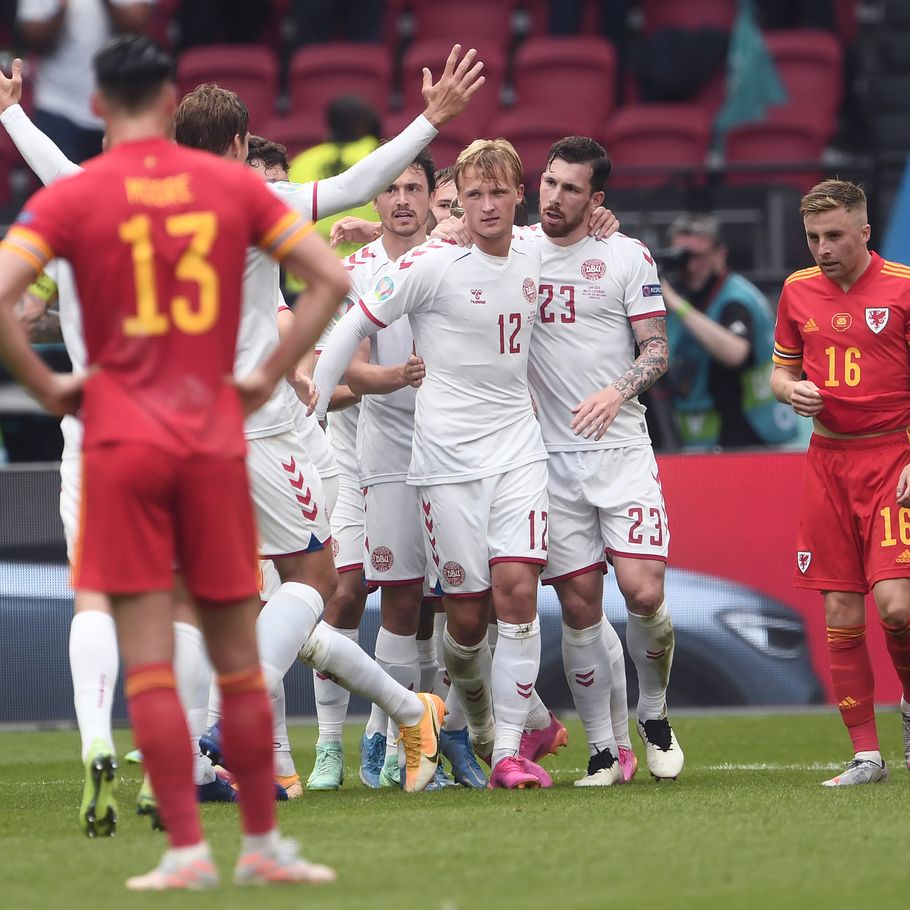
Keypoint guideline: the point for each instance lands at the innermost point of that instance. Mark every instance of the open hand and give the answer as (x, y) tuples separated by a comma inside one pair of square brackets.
[(448, 97), (595, 414), (354, 230), (11, 88)]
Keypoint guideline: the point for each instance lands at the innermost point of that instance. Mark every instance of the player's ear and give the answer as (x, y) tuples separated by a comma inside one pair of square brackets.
[(597, 200), (866, 233), (521, 192), (99, 108)]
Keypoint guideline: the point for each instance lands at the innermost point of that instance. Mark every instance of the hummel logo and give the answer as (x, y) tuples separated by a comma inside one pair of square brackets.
[(655, 655), (477, 295), (904, 558), (848, 702), (810, 326), (586, 680)]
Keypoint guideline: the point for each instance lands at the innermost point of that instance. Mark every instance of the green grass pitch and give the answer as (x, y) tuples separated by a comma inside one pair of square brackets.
[(747, 825)]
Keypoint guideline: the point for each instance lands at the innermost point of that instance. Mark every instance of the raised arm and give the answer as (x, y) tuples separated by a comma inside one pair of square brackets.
[(39, 152), (445, 99)]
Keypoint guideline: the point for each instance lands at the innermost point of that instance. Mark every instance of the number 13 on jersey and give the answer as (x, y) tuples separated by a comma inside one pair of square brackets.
[(193, 266)]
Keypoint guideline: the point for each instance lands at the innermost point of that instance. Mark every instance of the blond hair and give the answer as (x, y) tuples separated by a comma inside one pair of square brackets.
[(209, 117), (491, 159), (833, 194)]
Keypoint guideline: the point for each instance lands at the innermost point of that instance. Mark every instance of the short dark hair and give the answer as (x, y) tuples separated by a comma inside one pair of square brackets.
[(424, 161), (582, 150), (130, 71), (271, 154), (209, 117)]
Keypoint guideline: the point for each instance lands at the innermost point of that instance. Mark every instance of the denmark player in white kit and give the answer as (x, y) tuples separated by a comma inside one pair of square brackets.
[(598, 300), (478, 459)]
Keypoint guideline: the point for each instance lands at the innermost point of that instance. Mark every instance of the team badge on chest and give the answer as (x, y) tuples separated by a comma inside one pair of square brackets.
[(530, 290), (593, 269), (877, 317), (803, 560)]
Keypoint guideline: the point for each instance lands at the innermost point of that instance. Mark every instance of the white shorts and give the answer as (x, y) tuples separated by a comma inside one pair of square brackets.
[(471, 526), (70, 493), (288, 497), (393, 551), (604, 501), (347, 525)]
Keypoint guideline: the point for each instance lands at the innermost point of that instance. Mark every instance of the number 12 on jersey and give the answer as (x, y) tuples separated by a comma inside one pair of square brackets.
[(505, 323)]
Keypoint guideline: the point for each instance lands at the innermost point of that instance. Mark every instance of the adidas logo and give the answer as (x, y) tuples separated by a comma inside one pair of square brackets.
[(810, 326), (904, 558), (848, 703)]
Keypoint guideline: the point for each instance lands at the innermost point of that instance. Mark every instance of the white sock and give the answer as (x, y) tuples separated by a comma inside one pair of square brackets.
[(426, 659), (397, 655), (538, 713), (285, 623), (193, 673), (284, 761), (214, 702), (492, 636), (254, 843), (470, 668), (333, 654), (619, 696), (331, 699), (586, 659), (871, 756), (455, 717), (651, 635), (94, 660), (905, 707), (515, 666), (441, 682)]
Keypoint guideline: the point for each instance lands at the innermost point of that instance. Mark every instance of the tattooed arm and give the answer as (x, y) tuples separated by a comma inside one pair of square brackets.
[(594, 415)]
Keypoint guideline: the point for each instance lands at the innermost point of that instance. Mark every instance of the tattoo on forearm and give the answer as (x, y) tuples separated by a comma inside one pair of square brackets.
[(652, 361)]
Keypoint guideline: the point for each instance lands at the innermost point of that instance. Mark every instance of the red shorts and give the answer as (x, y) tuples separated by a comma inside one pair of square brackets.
[(144, 510), (852, 531)]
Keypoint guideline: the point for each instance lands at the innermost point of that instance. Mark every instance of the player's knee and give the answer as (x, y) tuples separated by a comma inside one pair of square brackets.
[(644, 597), (894, 612)]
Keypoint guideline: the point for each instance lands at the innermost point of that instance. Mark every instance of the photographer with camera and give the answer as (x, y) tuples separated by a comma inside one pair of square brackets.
[(721, 333)]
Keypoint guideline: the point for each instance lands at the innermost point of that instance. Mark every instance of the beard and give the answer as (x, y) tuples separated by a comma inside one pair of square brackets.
[(562, 228)]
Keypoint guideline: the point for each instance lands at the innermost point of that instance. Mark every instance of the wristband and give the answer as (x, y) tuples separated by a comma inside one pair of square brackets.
[(43, 287), (683, 309)]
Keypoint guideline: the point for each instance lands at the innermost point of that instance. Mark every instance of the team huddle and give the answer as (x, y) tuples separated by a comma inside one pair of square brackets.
[(490, 441)]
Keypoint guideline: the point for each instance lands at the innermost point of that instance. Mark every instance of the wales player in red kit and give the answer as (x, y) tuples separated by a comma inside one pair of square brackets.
[(157, 235), (841, 357)]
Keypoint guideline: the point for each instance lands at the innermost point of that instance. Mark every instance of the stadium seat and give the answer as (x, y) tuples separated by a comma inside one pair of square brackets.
[(466, 21), (159, 28), (651, 144), (249, 70), (690, 15), (433, 54), (532, 133), (320, 73), (810, 65), (784, 139), (566, 76), (295, 132)]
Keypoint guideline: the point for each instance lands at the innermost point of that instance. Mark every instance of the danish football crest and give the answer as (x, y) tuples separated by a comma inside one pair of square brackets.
[(530, 290), (382, 559), (803, 559), (877, 317), (453, 573), (593, 269)]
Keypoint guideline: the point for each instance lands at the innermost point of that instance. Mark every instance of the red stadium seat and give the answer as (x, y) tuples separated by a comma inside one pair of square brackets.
[(295, 132), (320, 73), (433, 54), (533, 133), (249, 70), (466, 21), (452, 138), (667, 140), (160, 21), (691, 15), (566, 76), (784, 139), (810, 65)]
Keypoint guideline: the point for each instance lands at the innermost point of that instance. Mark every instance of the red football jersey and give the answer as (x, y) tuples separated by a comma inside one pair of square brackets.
[(157, 237), (853, 345)]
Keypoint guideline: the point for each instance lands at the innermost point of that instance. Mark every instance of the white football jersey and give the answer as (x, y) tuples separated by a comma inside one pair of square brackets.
[(472, 316), (590, 294), (386, 429), (70, 311), (315, 442)]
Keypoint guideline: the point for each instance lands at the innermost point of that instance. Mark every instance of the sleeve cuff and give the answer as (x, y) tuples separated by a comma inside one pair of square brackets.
[(11, 114)]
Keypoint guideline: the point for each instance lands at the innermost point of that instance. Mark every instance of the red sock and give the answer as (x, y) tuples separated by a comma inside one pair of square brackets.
[(898, 642), (246, 738), (854, 685), (160, 733)]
